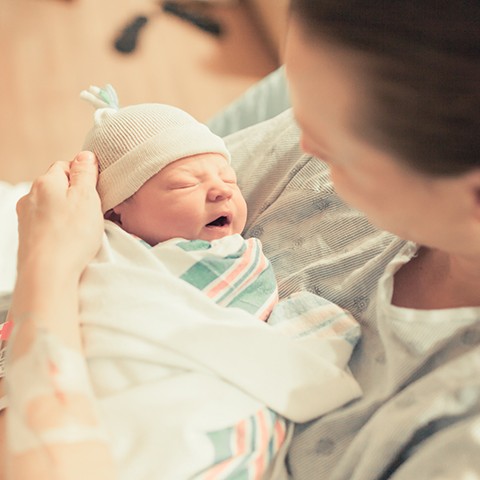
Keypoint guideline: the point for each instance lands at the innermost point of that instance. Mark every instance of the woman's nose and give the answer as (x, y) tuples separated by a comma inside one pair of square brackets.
[(220, 191)]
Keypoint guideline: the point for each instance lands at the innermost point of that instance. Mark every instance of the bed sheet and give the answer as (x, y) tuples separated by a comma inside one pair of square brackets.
[(9, 195)]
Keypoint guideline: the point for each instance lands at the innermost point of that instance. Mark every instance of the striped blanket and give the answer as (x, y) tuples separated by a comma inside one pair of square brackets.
[(231, 271), (189, 389)]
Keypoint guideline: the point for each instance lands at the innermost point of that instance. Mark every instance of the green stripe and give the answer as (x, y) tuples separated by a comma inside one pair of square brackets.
[(206, 271), (194, 245), (221, 440), (210, 268)]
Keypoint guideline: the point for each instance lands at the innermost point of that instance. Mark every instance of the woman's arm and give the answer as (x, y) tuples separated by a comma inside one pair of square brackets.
[(53, 431)]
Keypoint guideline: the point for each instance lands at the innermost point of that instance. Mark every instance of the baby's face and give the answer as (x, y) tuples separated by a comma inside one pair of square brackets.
[(193, 198)]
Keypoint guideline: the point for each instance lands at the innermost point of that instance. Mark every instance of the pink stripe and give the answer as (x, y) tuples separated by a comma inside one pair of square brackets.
[(332, 331), (259, 465), (280, 432), (225, 281), (253, 276), (338, 327), (6, 330), (241, 438)]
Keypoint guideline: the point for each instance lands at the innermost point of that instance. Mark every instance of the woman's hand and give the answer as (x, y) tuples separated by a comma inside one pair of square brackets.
[(60, 230), (60, 220)]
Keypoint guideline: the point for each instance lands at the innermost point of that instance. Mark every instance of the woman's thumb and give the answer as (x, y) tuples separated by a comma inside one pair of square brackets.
[(84, 170)]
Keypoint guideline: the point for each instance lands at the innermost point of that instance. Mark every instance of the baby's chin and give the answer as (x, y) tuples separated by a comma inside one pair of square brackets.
[(215, 233)]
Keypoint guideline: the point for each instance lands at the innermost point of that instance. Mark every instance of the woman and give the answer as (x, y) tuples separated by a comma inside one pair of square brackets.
[(387, 95)]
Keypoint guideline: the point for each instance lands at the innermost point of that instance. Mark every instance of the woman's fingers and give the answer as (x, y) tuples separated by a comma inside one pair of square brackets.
[(82, 171), (51, 186), (61, 220)]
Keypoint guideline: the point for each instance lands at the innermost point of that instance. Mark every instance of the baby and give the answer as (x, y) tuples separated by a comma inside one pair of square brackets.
[(187, 388), (167, 179)]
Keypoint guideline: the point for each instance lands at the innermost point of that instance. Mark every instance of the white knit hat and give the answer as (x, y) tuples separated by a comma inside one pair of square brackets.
[(134, 143)]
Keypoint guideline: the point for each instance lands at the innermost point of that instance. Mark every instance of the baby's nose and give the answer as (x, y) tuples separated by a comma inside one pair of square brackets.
[(220, 191)]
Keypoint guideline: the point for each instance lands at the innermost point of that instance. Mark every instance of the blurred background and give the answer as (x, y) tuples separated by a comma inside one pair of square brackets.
[(196, 54)]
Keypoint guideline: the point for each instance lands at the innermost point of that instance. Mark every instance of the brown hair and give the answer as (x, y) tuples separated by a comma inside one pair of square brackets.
[(422, 74)]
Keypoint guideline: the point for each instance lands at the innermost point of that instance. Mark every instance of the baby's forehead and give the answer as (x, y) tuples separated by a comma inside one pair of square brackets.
[(199, 164)]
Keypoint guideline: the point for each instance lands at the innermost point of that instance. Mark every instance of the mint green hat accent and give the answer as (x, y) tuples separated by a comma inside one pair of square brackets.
[(134, 143), (101, 97)]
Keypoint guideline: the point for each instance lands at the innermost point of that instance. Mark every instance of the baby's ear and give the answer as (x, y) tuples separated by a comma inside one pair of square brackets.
[(113, 216)]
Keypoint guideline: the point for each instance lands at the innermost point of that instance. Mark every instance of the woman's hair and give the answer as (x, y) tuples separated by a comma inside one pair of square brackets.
[(422, 74)]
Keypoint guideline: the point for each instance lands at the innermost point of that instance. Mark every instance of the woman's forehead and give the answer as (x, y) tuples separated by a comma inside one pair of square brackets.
[(327, 84)]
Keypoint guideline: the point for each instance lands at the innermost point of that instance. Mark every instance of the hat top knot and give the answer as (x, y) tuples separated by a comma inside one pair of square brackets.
[(105, 97)]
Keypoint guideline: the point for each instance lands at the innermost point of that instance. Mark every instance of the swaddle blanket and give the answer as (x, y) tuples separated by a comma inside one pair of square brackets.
[(231, 271), (190, 389)]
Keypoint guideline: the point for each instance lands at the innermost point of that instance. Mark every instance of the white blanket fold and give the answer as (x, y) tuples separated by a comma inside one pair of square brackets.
[(156, 344)]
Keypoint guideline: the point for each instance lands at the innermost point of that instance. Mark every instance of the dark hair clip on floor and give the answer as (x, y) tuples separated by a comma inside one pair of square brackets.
[(126, 41)]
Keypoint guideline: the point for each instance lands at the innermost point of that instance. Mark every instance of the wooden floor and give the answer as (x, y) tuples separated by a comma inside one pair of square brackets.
[(52, 49)]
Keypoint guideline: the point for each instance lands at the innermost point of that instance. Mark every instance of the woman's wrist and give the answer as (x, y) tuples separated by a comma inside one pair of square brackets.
[(49, 266), (46, 295)]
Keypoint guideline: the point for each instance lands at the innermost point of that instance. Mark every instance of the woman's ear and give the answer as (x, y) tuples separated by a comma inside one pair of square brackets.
[(477, 202), (474, 186)]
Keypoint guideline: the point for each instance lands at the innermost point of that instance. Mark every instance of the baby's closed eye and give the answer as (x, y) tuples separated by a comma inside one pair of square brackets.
[(186, 185), (180, 183), (230, 180)]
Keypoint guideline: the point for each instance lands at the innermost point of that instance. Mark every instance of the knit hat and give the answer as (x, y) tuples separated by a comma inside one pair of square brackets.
[(134, 143)]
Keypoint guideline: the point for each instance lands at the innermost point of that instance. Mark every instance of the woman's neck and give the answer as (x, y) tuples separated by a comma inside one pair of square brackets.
[(435, 280)]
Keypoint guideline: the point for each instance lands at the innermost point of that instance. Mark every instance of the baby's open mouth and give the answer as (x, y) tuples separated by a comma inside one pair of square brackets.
[(219, 222)]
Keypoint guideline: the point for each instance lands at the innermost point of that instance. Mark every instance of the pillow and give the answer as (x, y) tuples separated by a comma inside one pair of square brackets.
[(266, 99)]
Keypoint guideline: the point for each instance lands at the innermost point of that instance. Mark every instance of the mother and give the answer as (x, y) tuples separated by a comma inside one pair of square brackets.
[(386, 94)]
